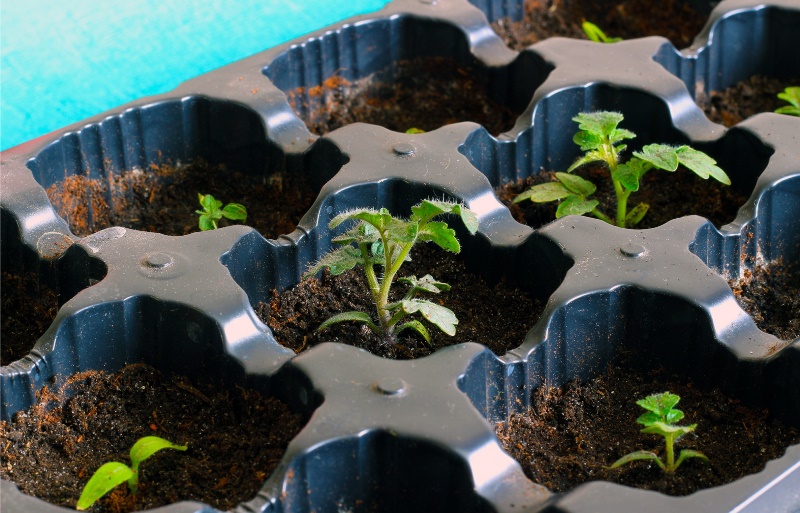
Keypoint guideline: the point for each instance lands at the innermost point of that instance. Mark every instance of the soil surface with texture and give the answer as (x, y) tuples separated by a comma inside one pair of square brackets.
[(164, 199), (236, 438), (745, 99), (424, 93), (570, 434), (670, 196), (28, 308), (628, 19), (497, 316), (771, 295)]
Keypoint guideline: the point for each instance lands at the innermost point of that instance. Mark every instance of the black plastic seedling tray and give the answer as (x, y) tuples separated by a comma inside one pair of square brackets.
[(395, 436)]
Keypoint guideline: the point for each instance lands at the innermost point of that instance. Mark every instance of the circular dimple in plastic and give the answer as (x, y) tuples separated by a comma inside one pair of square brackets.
[(390, 386), (633, 250), (158, 260), (404, 149)]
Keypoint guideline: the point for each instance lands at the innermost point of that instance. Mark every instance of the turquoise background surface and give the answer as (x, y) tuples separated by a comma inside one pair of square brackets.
[(66, 61)]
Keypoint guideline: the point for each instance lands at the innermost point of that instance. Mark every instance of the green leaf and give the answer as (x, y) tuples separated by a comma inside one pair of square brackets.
[(209, 203), (791, 95), (361, 317), (594, 33), (638, 455), (619, 134), (105, 479), (149, 445), (701, 164), (360, 233), (544, 192), (592, 156), (630, 173), (401, 231), (206, 223), (235, 211), (440, 234), (636, 214), (588, 140), (666, 430), (439, 316), (428, 209), (425, 284), (600, 122), (659, 404), (788, 109), (372, 216), (648, 418), (338, 261), (659, 155), (576, 184), (673, 416), (418, 327), (414, 130), (689, 453), (575, 205)]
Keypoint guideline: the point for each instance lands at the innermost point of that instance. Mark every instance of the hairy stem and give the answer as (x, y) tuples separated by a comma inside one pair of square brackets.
[(383, 297)]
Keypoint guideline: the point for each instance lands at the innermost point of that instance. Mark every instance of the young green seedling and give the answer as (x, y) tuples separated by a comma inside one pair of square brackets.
[(600, 139), (594, 33), (791, 95), (213, 212), (415, 130), (113, 473), (660, 419), (379, 239)]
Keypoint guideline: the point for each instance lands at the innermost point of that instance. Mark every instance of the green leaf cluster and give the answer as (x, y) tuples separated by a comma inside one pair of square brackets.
[(792, 96), (213, 211), (601, 141), (379, 239), (660, 419), (594, 33), (114, 473)]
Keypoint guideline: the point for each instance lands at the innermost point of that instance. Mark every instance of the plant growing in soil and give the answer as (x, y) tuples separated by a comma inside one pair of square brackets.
[(415, 130), (213, 212), (599, 137), (114, 473), (660, 419), (792, 96), (380, 239), (594, 33)]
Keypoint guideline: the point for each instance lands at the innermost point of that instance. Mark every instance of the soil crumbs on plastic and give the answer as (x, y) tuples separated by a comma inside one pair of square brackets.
[(628, 19), (28, 308), (744, 99), (235, 440), (670, 196), (569, 434), (771, 295), (164, 199), (497, 316), (424, 93)]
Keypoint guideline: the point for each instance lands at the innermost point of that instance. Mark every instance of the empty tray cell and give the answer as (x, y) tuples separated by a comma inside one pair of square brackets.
[(143, 169), (402, 73)]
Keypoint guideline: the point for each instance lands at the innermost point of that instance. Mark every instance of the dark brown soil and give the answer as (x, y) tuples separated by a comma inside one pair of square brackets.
[(670, 195), (164, 199), (28, 308), (628, 19), (570, 434), (425, 93), (771, 295), (744, 99), (497, 316), (235, 440)]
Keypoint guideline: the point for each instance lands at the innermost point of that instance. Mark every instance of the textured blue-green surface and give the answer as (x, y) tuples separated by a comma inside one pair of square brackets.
[(66, 61)]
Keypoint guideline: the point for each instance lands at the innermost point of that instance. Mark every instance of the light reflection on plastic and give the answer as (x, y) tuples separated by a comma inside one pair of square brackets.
[(41, 218), (486, 463), (281, 118), (485, 203), (725, 314), (239, 329)]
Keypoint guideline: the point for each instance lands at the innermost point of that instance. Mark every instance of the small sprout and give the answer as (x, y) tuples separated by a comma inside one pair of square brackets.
[(414, 130), (213, 212), (380, 239), (113, 473), (594, 33), (791, 95), (660, 419), (599, 138)]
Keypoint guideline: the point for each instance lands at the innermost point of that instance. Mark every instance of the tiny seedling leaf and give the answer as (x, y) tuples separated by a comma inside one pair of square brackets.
[(594, 33), (792, 96), (235, 211), (575, 205), (416, 326), (544, 192), (587, 140), (338, 261), (205, 223), (149, 445), (425, 284), (701, 164), (600, 122), (361, 317), (638, 455), (414, 130), (636, 214), (576, 184), (438, 315), (442, 235), (106, 478), (659, 404), (689, 453), (660, 156)]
